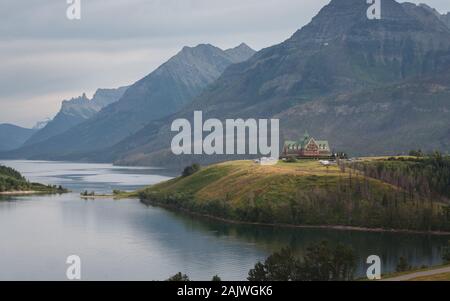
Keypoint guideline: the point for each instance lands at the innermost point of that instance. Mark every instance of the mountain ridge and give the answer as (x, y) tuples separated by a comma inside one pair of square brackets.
[(76, 111), (159, 94), (330, 57), (13, 136)]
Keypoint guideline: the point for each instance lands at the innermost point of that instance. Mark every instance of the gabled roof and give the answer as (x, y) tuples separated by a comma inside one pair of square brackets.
[(305, 140), (290, 143), (324, 143)]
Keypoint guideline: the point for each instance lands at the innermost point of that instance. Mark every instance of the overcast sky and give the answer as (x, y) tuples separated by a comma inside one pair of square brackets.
[(46, 58)]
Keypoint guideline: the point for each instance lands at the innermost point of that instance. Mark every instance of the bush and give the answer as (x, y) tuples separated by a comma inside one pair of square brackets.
[(291, 160), (320, 263), (216, 279), (179, 278), (190, 170), (416, 153), (446, 254), (403, 265)]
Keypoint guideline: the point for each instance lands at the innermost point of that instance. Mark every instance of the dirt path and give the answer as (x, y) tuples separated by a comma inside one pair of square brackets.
[(419, 274)]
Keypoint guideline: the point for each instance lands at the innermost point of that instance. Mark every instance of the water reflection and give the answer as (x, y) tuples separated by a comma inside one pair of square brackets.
[(126, 240)]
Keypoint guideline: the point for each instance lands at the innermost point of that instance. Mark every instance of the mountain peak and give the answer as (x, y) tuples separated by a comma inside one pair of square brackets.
[(199, 47), (240, 53), (445, 18), (347, 19)]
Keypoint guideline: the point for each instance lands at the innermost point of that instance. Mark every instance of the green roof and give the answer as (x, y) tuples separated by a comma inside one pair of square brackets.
[(323, 144)]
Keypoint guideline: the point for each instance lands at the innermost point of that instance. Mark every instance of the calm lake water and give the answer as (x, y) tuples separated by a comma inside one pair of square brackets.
[(125, 240)]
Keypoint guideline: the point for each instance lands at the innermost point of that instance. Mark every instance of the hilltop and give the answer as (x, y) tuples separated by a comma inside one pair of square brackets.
[(308, 194)]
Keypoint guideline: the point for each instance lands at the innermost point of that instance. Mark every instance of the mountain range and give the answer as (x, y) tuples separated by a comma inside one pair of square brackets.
[(76, 111), (12, 136), (160, 94), (443, 17), (370, 87)]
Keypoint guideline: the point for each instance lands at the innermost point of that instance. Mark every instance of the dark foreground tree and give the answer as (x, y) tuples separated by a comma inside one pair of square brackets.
[(446, 254), (320, 263), (178, 277), (403, 265), (216, 279), (323, 263)]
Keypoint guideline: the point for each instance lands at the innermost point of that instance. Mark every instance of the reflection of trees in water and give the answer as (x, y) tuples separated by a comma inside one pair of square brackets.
[(418, 249)]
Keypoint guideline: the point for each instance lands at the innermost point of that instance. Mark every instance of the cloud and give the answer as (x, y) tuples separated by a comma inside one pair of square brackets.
[(46, 58)]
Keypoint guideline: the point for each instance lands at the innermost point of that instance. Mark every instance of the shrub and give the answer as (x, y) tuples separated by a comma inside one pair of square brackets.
[(403, 265), (190, 170), (216, 279), (320, 263), (178, 278), (446, 254), (291, 160)]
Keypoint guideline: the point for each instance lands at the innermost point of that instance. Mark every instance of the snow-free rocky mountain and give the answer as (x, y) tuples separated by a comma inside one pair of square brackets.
[(163, 92), (76, 111), (370, 87), (443, 17)]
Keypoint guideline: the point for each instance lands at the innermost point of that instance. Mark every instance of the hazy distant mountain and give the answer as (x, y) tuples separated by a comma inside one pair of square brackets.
[(76, 111), (163, 92), (368, 86), (443, 17), (446, 19), (41, 124), (12, 136)]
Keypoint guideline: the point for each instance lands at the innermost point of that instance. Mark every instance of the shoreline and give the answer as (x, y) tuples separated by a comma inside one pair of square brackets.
[(31, 192), (21, 192), (322, 227), (130, 195)]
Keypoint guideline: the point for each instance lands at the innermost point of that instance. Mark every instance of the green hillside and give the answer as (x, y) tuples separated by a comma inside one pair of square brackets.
[(304, 193), (11, 181)]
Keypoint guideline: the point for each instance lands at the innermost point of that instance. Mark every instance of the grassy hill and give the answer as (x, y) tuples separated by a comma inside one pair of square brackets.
[(11, 181), (304, 193)]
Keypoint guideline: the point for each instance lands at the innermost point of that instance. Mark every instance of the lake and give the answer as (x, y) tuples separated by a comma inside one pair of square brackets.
[(126, 240)]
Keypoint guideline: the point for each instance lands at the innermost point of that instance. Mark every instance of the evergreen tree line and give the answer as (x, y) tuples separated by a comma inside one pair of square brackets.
[(427, 177), (12, 180), (351, 200), (321, 262)]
